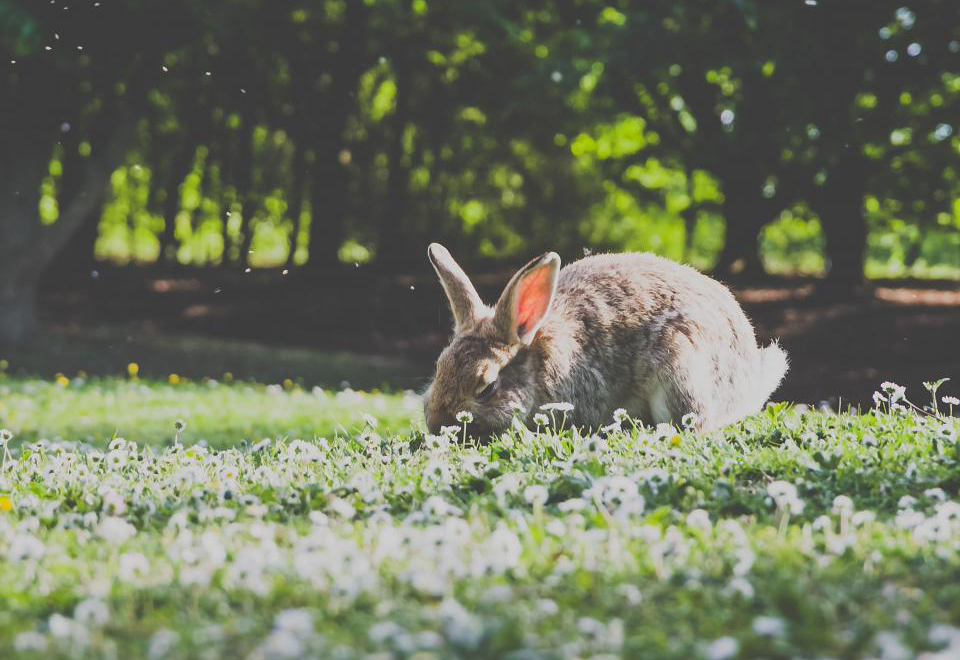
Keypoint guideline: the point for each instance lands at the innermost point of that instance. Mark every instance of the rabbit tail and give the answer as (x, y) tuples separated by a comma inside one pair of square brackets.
[(772, 368)]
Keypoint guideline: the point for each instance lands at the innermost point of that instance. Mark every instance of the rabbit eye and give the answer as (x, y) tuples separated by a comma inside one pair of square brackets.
[(486, 390)]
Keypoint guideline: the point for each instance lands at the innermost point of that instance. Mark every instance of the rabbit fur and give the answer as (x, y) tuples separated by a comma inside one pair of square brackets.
[(633, 331)]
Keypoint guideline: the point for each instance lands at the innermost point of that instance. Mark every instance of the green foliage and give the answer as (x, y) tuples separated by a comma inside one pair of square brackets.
[(503, 128), (791, 534)]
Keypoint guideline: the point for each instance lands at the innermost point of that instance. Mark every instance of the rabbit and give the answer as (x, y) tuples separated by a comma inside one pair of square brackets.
[(634, 331)]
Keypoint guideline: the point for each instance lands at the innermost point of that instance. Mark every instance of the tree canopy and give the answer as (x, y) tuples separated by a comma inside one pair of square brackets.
[(248, 133)]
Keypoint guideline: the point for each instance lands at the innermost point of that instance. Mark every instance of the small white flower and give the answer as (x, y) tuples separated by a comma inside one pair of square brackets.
[(115, 530), (842, 504), (541, 420), (161, 643), (92, 612), (117, 458), (133, 565), (951, 400), (894, 391), (296, 620), (781, 490), (30, 640), (906, 502), (699, 519), (784, 494), (620, 415), (536, 494), (342, 508), (465, 417), (561, 406), (769, 626), (722, 648), (689, 420)]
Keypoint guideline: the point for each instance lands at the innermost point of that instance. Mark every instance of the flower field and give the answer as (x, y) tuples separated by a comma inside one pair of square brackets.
[(211, 520)]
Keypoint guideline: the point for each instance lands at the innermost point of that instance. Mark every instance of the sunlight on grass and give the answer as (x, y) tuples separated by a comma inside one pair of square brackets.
[(346, 532)]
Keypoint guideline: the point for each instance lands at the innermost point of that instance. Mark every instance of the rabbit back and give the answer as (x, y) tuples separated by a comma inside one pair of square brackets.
[(655, 337)]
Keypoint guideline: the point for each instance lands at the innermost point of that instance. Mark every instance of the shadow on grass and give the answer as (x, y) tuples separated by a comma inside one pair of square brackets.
[(107, 352)]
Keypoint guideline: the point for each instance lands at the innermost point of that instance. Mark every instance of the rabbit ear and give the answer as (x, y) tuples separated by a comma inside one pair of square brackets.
[(464, 300), (524, 304)]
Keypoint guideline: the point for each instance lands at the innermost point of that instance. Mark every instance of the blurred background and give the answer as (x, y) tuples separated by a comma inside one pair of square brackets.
[(246, 188)]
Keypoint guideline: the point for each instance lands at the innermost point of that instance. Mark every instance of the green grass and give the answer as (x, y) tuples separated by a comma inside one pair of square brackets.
[(795, 534)]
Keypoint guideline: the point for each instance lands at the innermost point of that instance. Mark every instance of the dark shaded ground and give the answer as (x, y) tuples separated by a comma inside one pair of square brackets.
[(904, 331)]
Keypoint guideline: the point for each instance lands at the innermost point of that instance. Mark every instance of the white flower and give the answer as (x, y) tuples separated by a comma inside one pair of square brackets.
[(781, 490), (769, 626), (842, 504), (117, 458), (92, 612), (784, 494), (279, 645), (342, 508), (25, 546), (296, 620), (536, 494), (891, 647), (30, 640), (573, 504), (620, 415), (722, 648), (161, 643), (115, 530), (133, 566), (906, 502), (460, 626), (541, 419), (305, 451), (951, 400), (893, 391), (699, 519), (465, 417), (562, 406), (740, 585), (689, 420)]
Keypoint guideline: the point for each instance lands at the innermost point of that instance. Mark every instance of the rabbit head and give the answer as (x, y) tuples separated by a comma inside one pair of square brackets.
[(486, 369)]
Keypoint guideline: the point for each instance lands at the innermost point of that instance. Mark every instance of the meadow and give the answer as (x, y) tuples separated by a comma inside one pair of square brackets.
[(206, 519)]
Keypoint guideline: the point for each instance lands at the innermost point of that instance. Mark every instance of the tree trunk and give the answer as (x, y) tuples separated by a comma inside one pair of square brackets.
[(245, 189), (27, 247), (744, 215), (840, 207), (331, 175), (392, 248), (299, 168), (19, 320), (179, 169), (327, 202)]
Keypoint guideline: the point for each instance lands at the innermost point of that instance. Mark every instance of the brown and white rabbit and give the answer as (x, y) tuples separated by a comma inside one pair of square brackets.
[(633, 331)]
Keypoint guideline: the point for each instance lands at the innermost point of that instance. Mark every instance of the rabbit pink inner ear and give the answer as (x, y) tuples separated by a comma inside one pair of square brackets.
[(531, 294), (533, 300)]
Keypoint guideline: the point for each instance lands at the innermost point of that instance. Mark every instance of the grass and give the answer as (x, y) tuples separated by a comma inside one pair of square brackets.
[(337, 529), (111, 350)]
